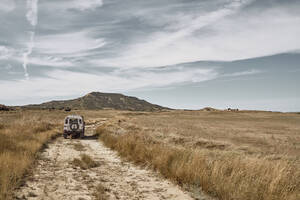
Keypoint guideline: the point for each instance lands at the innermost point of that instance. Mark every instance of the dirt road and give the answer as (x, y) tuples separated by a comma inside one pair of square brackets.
[(55, 176)]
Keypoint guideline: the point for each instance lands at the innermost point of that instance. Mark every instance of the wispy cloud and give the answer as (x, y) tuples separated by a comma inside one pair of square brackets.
[(166, 47), (4, 52), (30, 46), (49, 61), (86, 5), (32, 12), (230, 32), (68, 43), (32, 17), (79, 5), (7, 5), (60, 81), (243, 73)]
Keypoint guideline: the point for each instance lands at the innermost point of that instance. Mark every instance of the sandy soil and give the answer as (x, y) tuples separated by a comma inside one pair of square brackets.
[(55, 177)]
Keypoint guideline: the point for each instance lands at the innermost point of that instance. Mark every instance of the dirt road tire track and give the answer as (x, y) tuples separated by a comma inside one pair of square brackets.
[(55, 177)]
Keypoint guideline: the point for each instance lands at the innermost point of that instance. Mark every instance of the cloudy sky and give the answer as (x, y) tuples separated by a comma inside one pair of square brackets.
[(178, 53)]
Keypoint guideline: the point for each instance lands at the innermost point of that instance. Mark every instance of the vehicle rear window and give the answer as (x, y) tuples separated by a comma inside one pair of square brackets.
[(80, 121), (73, 121)]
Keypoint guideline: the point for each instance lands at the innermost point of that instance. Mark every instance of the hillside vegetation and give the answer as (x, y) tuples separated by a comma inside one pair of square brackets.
[(97, 100), (230, 155)]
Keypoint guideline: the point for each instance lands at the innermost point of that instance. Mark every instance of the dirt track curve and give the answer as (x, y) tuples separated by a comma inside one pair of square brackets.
[(55, 177)]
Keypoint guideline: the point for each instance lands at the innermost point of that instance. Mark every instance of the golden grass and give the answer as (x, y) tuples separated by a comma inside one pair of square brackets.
[(231, 155), (21, 137), (23, 133), (228, 155)]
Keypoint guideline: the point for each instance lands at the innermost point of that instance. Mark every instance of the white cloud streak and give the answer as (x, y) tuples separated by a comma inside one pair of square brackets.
[(86, 4), (243, 73), (32, 17), (78, 5), (50, 61), (30, 46), (68, 43), (32, 12), (5, 53)]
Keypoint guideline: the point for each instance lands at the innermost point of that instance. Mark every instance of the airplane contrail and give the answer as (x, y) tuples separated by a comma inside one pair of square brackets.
[(32, 17)]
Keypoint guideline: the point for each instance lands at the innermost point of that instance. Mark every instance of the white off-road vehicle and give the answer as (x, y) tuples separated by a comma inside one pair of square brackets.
[(74, 126)]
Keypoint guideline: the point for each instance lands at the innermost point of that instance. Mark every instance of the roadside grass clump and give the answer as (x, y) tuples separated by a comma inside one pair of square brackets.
[(78, 163), (78, 146), (85, 162), (22, 135), (226, 175), (100, 193)]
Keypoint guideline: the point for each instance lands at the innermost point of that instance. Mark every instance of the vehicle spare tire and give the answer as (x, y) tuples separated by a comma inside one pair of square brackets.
[(74, 126)]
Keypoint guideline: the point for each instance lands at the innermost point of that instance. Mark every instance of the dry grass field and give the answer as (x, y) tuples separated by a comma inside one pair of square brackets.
[(244, 155), (230, 155), (22, 135)]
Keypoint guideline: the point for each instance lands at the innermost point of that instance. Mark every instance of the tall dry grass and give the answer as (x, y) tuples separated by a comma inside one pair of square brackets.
[(22, 135), (228, 174), (264, 133)]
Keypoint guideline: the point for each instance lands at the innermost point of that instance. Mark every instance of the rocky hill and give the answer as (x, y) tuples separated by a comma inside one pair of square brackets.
[(97, 100)]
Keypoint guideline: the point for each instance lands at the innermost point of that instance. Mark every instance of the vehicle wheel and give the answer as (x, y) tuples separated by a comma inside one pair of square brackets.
[(65, 136), (82, 135)]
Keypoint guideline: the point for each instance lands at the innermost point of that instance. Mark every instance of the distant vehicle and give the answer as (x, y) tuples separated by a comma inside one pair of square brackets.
[(67, 109), (74, 126)]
